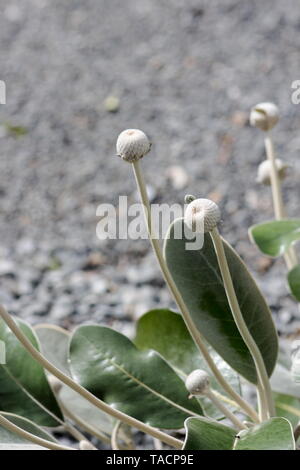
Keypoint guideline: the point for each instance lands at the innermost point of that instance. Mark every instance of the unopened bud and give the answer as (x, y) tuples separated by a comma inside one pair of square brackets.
[(198, 383), (264, 116), (202, 215), (132, 144), (264, 171), (86, 445)]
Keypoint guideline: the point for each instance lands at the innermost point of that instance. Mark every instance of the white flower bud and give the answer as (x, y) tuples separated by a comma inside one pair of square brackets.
[(198, 383), (202, 215), (264, 171), (86, 445), (132, 144), (264, 116)]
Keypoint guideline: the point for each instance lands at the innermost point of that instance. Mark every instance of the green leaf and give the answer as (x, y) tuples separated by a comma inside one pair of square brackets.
[(282, 382), (175, 344), (274, 434), (274, 238), (75, 405), (205, 434), (11, 441), (198, 278), (295, 369), (54, 345), (294, 281), (287, 407), (138, 383), (24, 389)]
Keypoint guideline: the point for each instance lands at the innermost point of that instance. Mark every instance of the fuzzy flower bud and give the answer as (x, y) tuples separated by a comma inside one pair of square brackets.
[(132, 144), (202, 215), (264, 171), (264, 116), (86, 445), (198, 383)]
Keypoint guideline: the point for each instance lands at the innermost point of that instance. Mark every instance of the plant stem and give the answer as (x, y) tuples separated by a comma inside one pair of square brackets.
[(214, 399), (84, 425), (76, 434), (264, 388), (261, 401), (178, 299), (114, 436), (30, 437), (290, 255), (172, 441)]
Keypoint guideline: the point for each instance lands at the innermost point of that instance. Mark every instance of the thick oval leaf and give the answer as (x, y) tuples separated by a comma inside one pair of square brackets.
[(287, 407), (139, 383), (205, 434), (12, 441), (274, 238), (175, 344), (24, 389), (294, 281), (54, 345), (198, 278), (275, 434), (282, 382), (84, 412)]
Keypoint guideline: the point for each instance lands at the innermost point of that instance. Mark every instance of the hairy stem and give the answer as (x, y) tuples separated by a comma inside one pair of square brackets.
[(179, 301), (114, 436), (84, 425), (264, 388), (30, 437), (81, 390), (215, 400)]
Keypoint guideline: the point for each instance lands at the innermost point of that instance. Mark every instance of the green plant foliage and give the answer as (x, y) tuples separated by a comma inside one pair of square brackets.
[(274, 434), (197, 276), (139, 383), (85, 412), (54, 345), (11, 441), (175, 344), (294, 282), (205, 434), (24, 389), (274, 238)]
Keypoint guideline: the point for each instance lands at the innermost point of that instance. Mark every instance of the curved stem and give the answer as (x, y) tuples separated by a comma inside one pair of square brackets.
[(264, 388), (172, 441), (85, 426), (114, 436), (77, 434), (290, 255), (214, 399), (30, 437), (179, 301), (261, 401)]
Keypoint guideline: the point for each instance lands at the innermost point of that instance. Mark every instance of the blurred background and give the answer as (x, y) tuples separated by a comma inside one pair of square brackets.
[(187, 73)]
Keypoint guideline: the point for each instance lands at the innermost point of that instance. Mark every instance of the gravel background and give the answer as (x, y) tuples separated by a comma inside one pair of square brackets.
[(187, 73)]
